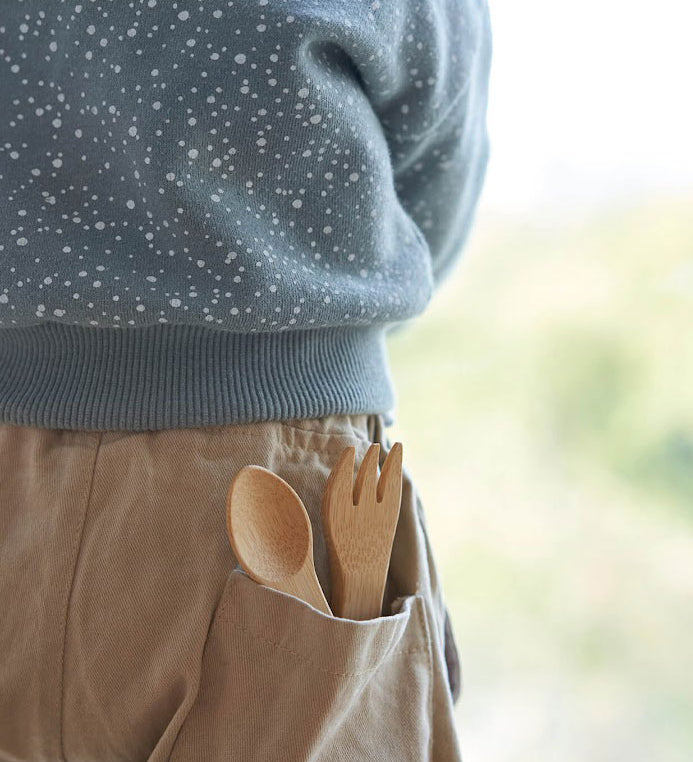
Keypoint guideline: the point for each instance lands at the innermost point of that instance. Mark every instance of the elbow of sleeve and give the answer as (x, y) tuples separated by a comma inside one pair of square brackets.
[(448, 234), (442, 183), (439, 171)]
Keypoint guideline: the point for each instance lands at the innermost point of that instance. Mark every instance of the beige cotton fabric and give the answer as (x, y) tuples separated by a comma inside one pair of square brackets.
[(128, 631)]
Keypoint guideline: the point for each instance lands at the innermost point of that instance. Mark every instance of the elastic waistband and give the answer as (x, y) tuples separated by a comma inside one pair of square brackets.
[(349, 424), (55, 375)]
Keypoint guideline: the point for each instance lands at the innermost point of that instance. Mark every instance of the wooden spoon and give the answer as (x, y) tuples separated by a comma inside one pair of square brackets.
[(270, 533)]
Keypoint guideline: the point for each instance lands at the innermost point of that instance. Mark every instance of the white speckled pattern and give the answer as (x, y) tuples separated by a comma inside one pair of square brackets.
[(252, 166)]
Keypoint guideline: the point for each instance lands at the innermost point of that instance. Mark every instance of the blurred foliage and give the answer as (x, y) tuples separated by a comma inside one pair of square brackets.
[(545, 404)]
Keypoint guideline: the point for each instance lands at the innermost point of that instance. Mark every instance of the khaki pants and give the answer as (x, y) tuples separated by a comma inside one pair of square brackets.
[(129, 632)]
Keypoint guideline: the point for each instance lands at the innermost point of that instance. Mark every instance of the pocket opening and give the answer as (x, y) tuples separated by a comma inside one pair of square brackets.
[(331, 644)]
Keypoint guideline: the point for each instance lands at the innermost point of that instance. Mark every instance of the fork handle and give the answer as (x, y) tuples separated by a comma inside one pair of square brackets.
[(358, 595)]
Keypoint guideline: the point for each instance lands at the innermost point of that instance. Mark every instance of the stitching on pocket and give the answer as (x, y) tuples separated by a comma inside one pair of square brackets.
[(431, 676), (424, 625), (252, 634)]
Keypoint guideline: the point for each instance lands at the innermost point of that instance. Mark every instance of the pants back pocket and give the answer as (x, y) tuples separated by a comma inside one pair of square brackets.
[(282, 680)]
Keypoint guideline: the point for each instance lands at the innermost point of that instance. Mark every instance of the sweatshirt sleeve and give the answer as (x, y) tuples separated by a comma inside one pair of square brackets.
[(434, 119)]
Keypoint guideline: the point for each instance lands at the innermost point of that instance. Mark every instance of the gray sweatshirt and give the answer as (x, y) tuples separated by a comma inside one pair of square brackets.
[(214, 212)]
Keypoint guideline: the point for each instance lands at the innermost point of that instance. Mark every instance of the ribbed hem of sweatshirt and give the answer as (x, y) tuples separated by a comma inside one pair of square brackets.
[(55, 375)]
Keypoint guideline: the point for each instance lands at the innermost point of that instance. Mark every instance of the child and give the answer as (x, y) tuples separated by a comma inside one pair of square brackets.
[(213, 214)]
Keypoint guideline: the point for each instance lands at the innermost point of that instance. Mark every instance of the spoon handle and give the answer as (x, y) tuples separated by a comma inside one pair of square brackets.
[(303, 585)]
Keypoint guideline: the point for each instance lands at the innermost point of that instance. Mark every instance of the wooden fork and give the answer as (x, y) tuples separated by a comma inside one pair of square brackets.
[(359, 525)]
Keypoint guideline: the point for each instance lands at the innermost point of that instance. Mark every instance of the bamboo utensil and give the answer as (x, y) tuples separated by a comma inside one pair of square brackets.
[(270, 533), (359, 525)]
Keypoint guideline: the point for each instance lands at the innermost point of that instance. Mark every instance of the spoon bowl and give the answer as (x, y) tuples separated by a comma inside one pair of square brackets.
[(271, 536)]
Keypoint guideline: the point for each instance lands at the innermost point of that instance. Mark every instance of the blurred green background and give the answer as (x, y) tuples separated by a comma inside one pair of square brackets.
[(545, 396), (546, 410)]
